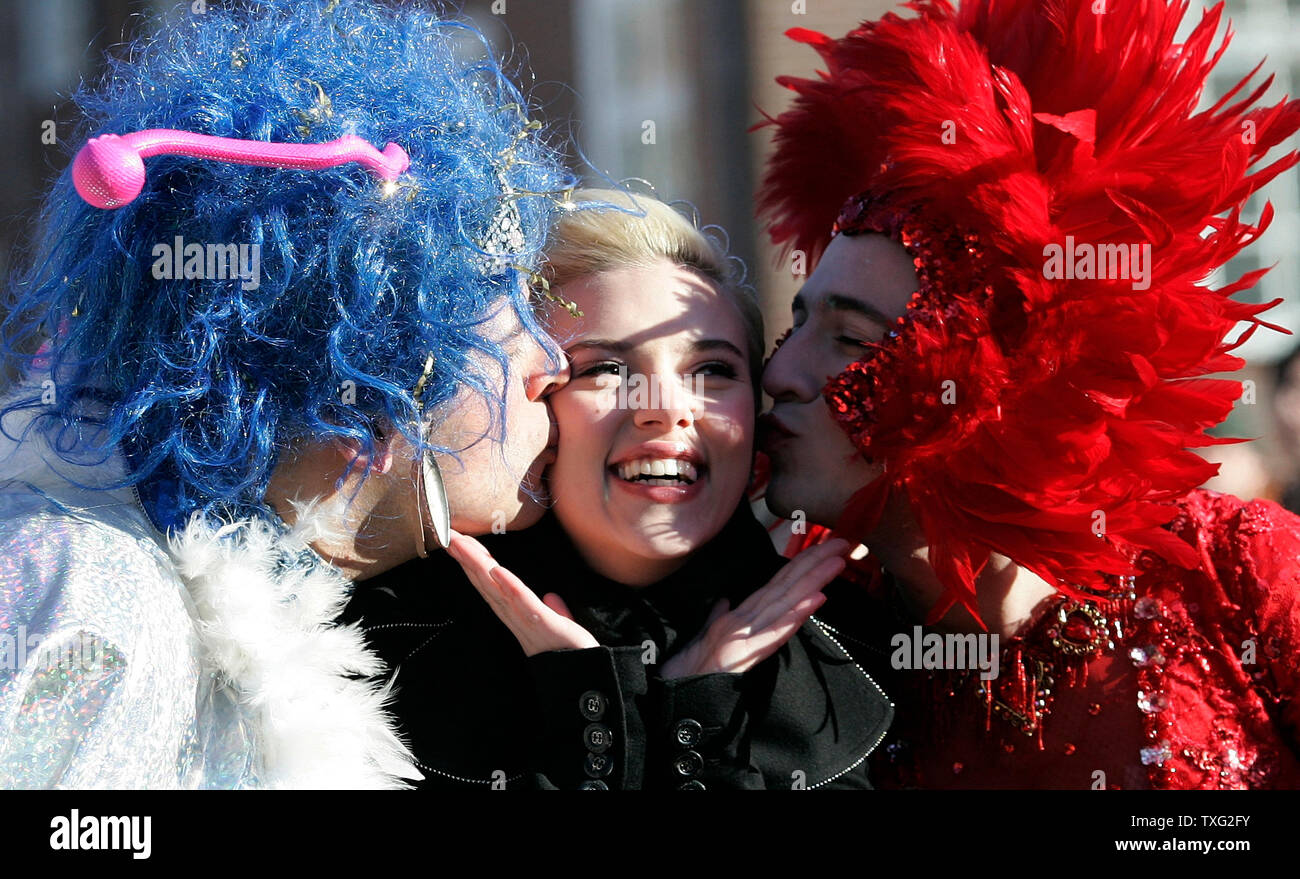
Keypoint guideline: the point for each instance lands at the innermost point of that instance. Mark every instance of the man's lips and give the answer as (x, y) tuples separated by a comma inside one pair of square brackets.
[(772, 429)]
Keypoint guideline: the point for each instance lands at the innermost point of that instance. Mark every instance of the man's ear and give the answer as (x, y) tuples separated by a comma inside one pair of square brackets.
[(381, 457)]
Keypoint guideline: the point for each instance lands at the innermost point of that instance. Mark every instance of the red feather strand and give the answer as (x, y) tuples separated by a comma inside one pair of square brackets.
[(1078, 399)]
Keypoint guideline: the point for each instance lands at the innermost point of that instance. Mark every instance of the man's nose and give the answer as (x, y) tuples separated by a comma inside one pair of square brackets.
[(785, 377), (551, 374)]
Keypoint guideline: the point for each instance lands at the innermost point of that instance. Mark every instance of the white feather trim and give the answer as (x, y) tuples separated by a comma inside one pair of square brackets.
[(266, 607)]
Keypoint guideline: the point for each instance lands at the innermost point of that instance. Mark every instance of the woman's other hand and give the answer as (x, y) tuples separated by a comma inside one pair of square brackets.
[(540, 625), (734, 641)]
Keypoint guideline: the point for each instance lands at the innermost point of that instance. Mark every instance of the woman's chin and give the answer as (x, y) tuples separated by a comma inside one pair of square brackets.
[(674, 529), (663, 538)]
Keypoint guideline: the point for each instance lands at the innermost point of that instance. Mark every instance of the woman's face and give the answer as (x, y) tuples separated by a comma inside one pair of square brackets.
[(491, 487), (656, 423)]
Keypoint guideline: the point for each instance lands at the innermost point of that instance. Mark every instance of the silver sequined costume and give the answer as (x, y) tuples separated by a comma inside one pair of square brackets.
[(210, 659)]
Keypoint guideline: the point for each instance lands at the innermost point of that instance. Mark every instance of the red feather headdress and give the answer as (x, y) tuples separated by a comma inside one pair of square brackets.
[(980, 139)]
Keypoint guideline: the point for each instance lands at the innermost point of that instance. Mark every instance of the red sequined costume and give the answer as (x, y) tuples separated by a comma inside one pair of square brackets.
[(1179, 679), (981, 139)]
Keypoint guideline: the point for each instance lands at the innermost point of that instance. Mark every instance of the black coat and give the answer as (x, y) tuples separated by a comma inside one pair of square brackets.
[(479, 713)]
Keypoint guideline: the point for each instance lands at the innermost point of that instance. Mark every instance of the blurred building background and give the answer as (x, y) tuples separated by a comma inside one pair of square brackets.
[(666, 91)]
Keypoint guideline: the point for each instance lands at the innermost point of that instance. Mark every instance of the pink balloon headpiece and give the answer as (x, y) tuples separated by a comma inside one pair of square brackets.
[(109, 170)]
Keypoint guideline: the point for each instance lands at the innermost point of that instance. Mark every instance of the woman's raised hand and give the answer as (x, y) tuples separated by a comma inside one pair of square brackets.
[(539, 624), (734, 641)]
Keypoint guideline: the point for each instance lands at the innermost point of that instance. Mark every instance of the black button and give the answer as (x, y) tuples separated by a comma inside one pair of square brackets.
[(593, 785), (691, 785), (592, 705), (598, 765), (597, 737), (688, 733), (688, 764)]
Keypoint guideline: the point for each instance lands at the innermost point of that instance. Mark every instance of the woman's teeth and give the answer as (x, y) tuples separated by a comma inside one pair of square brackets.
[(658, 471)]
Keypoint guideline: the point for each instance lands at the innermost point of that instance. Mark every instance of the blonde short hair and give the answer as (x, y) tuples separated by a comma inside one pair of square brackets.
[(616, 230)]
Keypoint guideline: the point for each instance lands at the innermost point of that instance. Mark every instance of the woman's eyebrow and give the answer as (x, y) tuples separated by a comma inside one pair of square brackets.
[(618, 346), (622, 346), (715, 344)]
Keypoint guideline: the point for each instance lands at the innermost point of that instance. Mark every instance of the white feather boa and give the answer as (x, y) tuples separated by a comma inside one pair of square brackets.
[(266, 607)]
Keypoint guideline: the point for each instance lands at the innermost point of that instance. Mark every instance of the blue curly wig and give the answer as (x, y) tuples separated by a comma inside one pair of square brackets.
[(202, 382)]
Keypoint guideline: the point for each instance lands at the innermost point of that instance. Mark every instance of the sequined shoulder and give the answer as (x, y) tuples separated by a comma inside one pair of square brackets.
[(1253, 548), (98, 647)]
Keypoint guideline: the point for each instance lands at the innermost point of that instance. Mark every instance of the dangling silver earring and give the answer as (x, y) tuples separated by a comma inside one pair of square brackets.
[(429, 487), (435, 494)]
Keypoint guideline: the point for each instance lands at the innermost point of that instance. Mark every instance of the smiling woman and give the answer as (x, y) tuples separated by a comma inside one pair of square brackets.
[(661, 316), (640, 481), (657, 657)]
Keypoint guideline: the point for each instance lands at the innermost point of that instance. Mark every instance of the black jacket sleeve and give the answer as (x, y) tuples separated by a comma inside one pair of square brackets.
[(704, 729), (590, 734)]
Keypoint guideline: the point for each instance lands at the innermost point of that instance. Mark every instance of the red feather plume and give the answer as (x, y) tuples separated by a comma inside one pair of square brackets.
[(1076, 400)]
